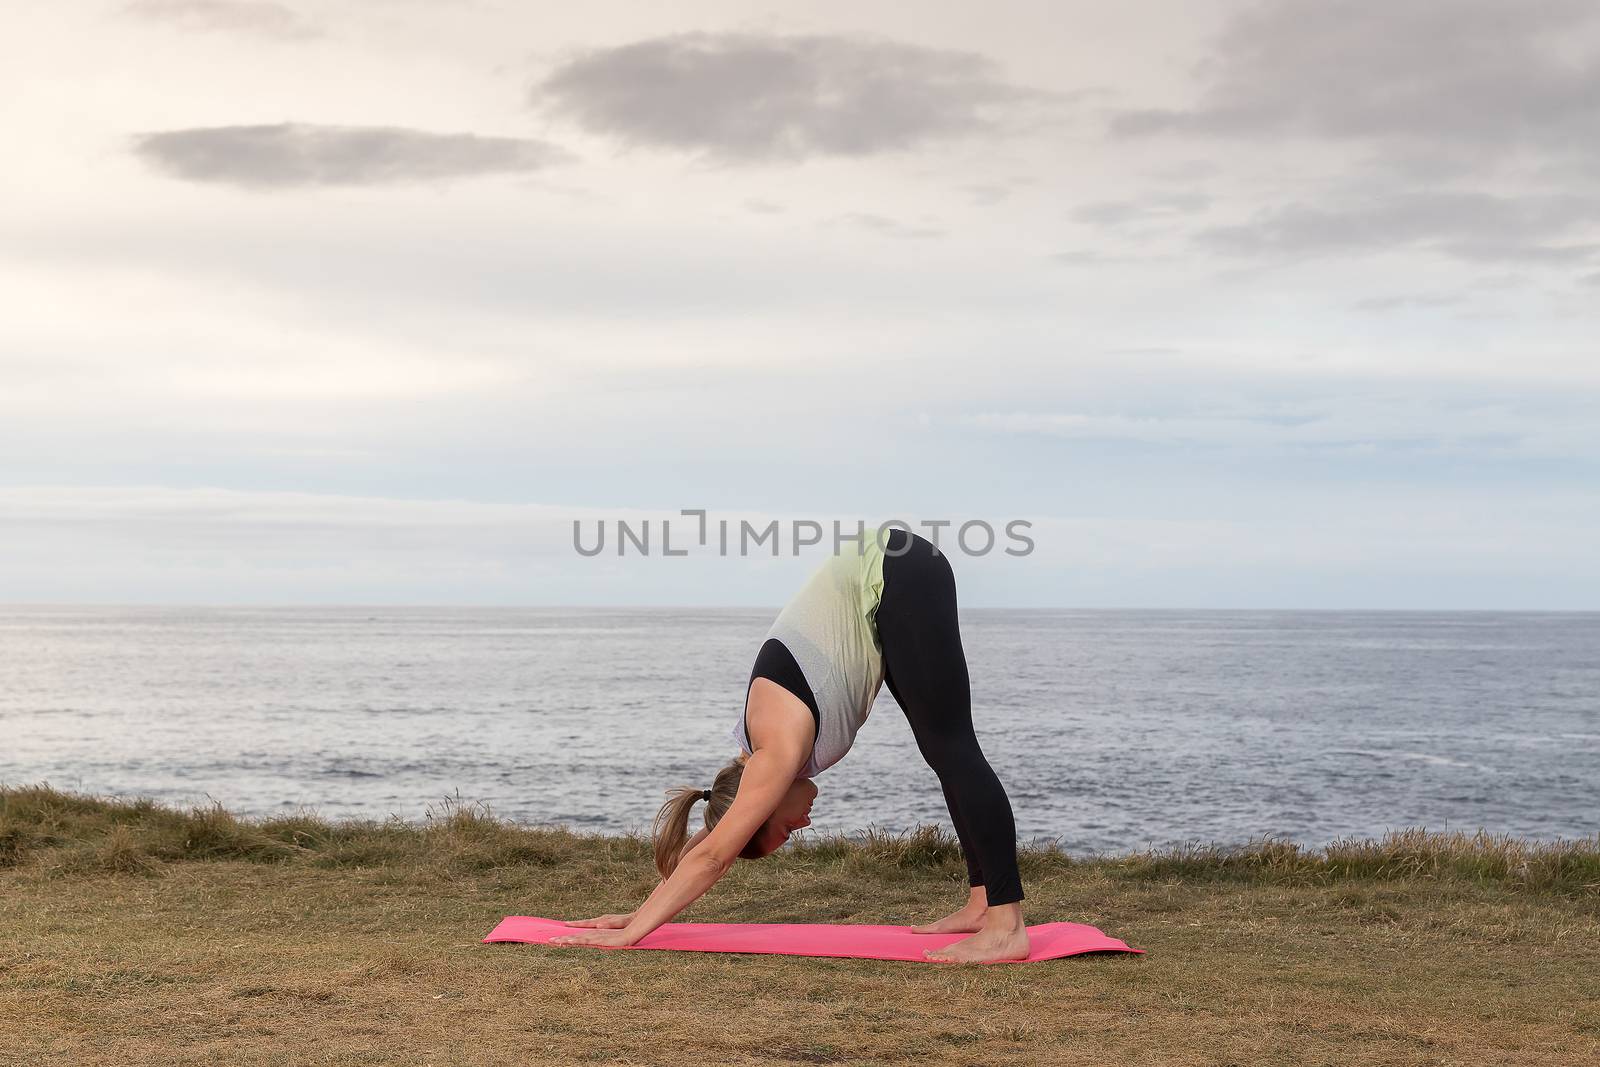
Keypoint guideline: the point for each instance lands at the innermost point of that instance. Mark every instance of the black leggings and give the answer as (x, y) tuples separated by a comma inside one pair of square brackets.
[(924, 668)]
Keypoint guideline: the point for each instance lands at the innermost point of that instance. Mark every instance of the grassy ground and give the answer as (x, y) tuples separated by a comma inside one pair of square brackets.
[(132, 933)]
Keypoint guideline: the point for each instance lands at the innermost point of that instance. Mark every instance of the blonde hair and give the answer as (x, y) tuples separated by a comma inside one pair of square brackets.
[(671, 827)]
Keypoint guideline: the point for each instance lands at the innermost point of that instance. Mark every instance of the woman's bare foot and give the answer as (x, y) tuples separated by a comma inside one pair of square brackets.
[(967, 920), (1004, 936)]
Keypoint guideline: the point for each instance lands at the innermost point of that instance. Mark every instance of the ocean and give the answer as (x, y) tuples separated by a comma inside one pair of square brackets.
[(1112, 730)]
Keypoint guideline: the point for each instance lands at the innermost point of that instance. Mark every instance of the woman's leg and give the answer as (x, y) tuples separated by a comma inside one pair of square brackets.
[(921, 639), (963, 835)]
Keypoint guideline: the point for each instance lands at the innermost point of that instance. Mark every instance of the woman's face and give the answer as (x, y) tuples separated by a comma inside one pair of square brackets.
[(793, 812)]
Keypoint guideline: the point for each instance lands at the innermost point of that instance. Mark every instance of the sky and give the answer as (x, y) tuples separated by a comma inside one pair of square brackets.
[(1289, 304)]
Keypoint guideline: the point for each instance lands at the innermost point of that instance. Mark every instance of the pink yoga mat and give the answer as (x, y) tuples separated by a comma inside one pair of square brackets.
[(1050, 940)]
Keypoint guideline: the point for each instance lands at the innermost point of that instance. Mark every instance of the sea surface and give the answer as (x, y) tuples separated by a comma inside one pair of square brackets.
[(1112, 730)]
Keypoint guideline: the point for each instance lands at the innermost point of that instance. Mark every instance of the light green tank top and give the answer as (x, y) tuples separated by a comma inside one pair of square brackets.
[(830, 628)]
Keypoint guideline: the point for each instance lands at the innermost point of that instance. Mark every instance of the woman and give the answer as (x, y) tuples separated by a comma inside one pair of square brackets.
[(884, 615)]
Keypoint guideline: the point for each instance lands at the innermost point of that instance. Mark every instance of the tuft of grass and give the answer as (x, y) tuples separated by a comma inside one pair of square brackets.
[(1482, 858), (211, 833), (465, 836), (78, 832), (17, 839), (121, 851), (299, 830), (1409, 855)]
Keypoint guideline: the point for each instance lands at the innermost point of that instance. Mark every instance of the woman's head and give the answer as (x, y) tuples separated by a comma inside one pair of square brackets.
[(671, 829)]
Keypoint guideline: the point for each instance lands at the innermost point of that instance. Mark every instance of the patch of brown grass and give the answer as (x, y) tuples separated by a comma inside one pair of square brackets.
[(130, 933)]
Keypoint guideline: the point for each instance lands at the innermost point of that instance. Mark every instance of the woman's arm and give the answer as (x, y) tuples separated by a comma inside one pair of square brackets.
[(617, 922), (767, 776)]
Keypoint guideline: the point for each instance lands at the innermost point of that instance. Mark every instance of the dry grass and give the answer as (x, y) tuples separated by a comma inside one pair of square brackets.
[(133, 933)]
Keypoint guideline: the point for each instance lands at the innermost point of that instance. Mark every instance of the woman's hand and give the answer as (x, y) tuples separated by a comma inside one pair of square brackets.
[(597, 938), (605, 922)]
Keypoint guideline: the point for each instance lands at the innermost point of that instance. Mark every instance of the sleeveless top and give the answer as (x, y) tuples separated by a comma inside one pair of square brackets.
[(830, 629)]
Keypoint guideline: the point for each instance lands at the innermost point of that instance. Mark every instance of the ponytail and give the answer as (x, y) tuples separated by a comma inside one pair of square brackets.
[(670, 830)]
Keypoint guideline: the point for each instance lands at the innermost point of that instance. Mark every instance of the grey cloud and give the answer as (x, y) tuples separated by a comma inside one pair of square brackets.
[(887, 227), (1088, 257), (763, 207), (1464, 225), (1448, 84), (749, 97), (1428, 92), (986, 195), (1500, 282), (1116, 212), (1406, 302), (1189, 170), (258, 17), (1502, 251), (300, 154), (1480, 421)]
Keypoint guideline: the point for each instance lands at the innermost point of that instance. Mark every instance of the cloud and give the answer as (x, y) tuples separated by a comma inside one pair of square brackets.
[(1407, 302), (1089, 257), (301, 154), (1437, 92), (739, 97), (983, 195), (255, 17), (1189, 170), (1452, 84), (884, 226), (234, 546), (1463, 225), (1516, 426), (1116, 212)]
